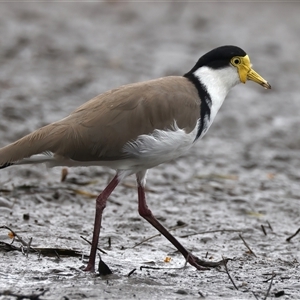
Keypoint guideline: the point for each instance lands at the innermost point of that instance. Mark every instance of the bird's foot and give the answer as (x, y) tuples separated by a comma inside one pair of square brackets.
[(89, 268), (203, 265)]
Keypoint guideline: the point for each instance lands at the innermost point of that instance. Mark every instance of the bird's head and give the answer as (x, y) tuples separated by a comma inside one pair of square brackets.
[(230, 57), (245, 71)]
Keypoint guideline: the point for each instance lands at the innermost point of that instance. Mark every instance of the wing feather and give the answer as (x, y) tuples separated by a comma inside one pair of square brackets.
[(99, 129)]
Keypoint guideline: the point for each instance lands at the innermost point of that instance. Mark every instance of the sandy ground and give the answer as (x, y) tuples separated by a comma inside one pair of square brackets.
[(243, 175)]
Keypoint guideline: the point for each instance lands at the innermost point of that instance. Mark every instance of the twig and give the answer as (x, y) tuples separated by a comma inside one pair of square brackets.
[(131, 272), (255, 296), (263, 229), (91, 244), (186, 235), (150, 268), (245, 243), (42, 251), (201, 294), (160, 268), (15, 235), (19, 239), (28, 246), (159, 234), (57, 255), (211, 231), (271, 278), (270, 226), (268, 291), (226, 269), (133, 186), (289, 238)]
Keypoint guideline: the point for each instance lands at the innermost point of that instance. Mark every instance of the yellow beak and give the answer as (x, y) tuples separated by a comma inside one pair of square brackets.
[(247, 73)]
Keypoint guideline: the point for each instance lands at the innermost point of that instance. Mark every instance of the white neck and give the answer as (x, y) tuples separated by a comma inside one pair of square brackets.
[(218, 82)]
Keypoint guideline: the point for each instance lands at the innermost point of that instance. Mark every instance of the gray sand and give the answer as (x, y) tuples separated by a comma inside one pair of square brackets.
[(242, 175)]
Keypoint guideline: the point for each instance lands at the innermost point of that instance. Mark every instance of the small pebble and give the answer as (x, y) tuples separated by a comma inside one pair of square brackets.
[(181, 292), (26, 217)]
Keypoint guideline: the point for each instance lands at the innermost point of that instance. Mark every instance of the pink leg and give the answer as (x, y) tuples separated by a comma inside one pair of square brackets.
[(100, 205), (146, 213)]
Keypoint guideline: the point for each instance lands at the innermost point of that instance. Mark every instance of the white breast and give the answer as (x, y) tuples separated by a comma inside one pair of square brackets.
[(218, 83)]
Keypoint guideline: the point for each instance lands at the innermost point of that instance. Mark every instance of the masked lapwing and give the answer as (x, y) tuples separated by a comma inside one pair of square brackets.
[(136, 127)]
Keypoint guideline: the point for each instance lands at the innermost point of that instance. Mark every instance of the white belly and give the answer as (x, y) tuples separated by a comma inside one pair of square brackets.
[(159, 147)]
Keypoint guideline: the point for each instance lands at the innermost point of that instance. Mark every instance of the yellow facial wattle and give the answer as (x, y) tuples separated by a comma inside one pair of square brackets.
[(245, 71)]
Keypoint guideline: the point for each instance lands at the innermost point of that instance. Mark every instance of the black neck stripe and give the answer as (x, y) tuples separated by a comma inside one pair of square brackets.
[(205, 103)]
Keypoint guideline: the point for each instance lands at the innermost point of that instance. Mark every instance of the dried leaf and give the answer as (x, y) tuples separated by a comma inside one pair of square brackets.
[(103, 268), (11, 235), (167, 259), (85, 193)]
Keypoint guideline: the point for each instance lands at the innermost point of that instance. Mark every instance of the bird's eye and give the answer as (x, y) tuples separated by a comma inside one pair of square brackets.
[(236, 61)]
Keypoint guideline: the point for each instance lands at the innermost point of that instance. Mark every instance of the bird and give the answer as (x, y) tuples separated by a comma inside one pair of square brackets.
[(136, 127)]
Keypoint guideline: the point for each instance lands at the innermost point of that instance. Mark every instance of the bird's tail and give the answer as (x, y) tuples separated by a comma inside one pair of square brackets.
[(38, 142)]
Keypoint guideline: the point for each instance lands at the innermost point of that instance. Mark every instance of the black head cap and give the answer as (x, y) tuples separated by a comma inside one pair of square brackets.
[(218, 58)]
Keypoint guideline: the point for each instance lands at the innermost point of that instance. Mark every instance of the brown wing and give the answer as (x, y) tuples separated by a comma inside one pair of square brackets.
[(99, 129)]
